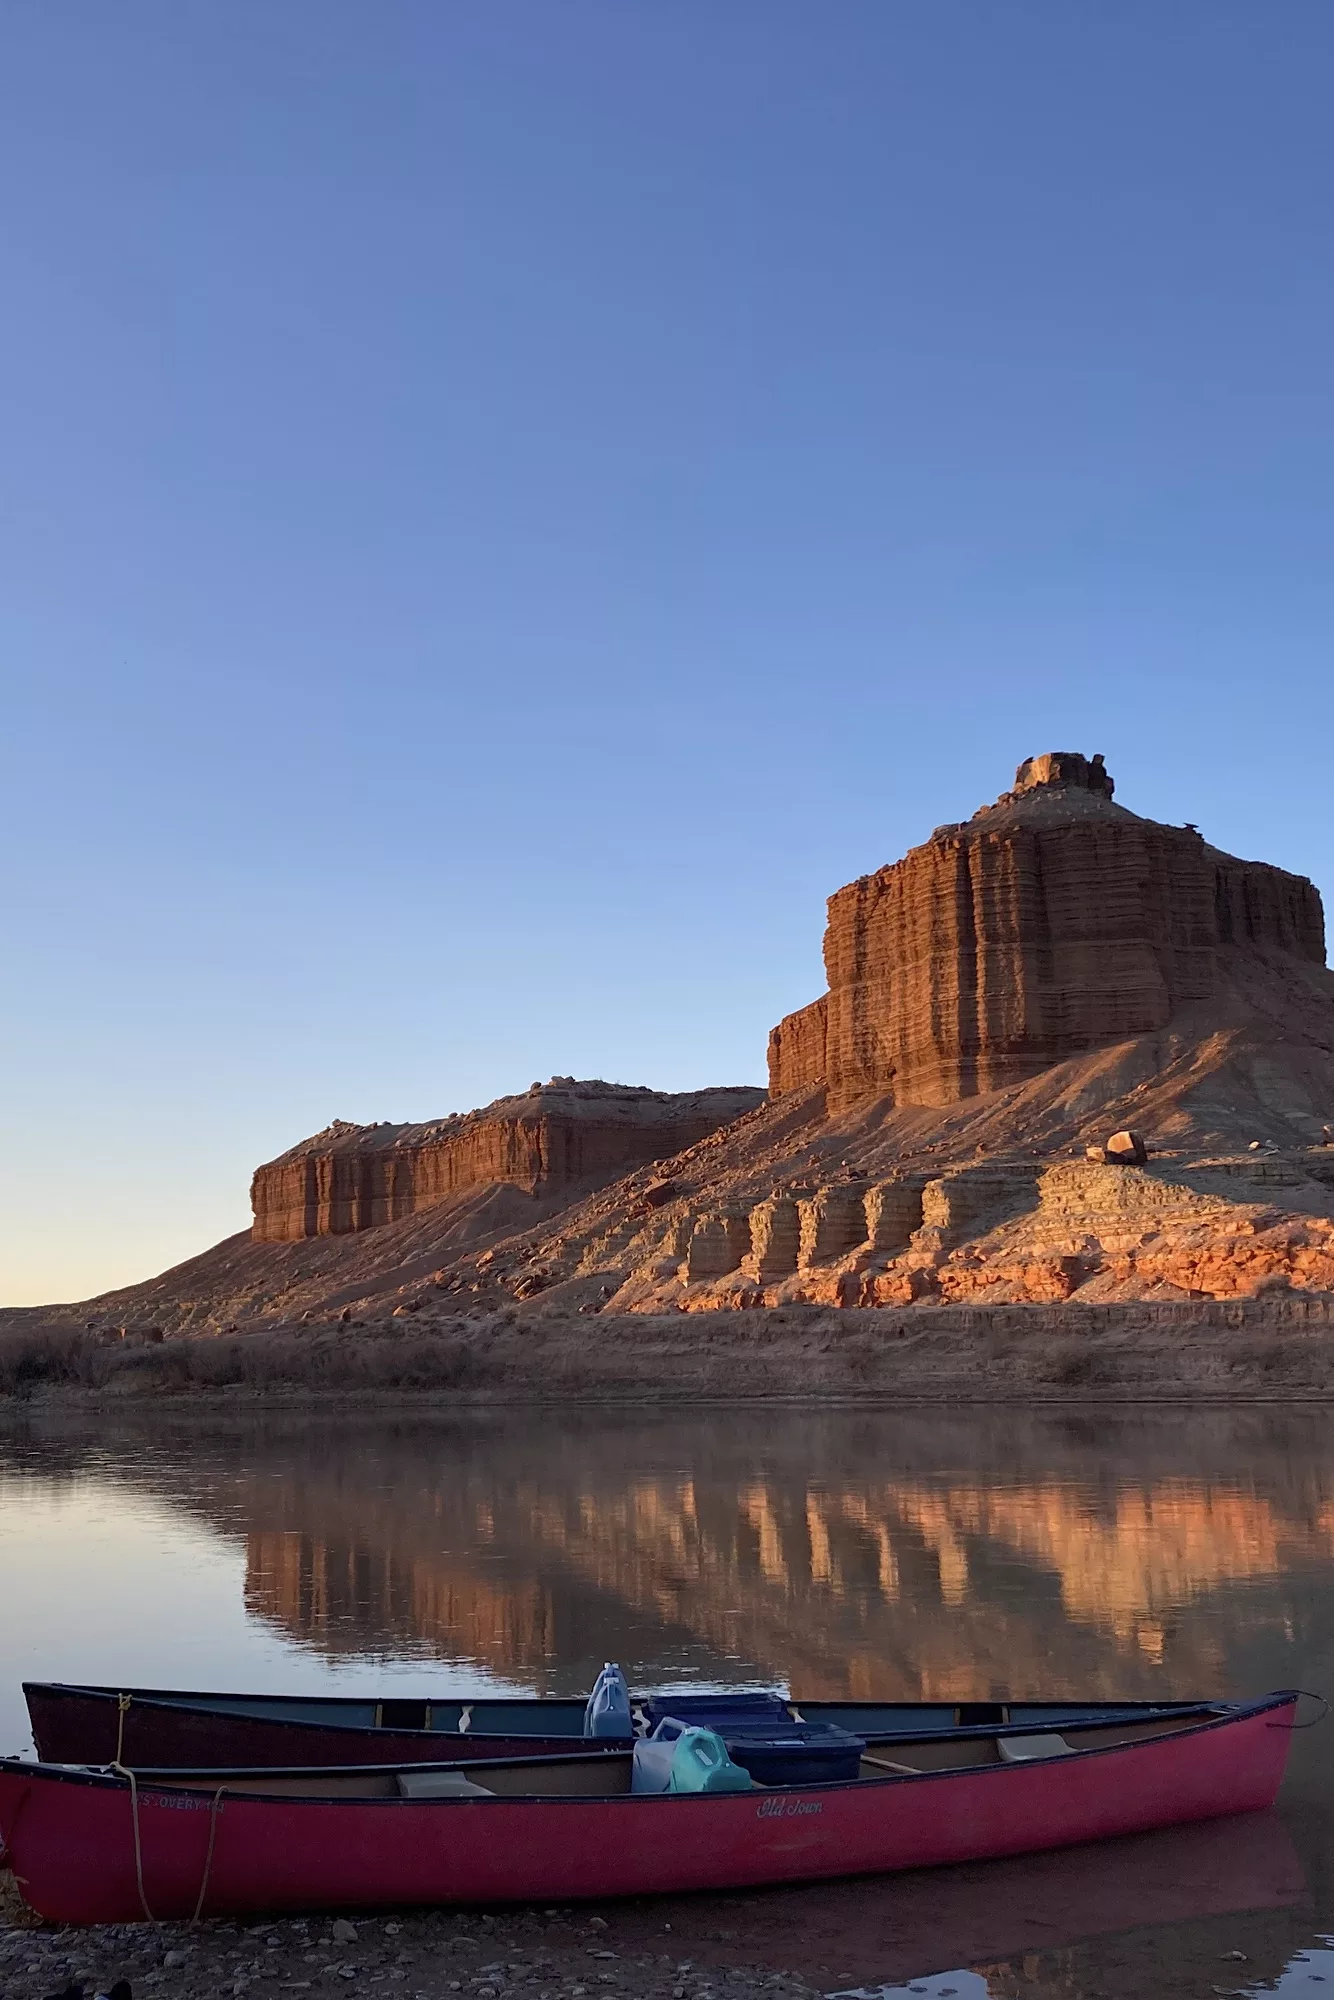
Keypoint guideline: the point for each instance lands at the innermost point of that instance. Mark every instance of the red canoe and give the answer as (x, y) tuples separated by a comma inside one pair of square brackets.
[(552, 1830)]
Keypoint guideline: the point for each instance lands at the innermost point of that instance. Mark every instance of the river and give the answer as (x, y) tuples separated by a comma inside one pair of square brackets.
[(922, 1554)]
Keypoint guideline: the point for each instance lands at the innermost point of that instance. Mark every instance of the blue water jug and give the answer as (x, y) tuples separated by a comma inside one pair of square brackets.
[(608, 1710)]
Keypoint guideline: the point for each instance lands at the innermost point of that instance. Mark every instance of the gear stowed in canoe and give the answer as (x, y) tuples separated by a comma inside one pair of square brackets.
[(161, 1727), (101, 1847)]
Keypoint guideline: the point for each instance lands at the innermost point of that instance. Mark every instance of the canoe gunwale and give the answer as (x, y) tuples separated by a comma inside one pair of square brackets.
[(104, 1779), (196, 1702), (202, 1698)]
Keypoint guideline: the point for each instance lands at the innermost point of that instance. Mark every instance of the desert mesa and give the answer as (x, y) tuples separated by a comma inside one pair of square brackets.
[(1068, 1057)]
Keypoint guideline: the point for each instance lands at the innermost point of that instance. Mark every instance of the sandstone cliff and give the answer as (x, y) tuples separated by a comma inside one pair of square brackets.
[(1051, 923), (564, 1136)]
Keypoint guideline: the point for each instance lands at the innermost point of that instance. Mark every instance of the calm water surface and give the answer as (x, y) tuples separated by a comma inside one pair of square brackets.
[(924, 1555)]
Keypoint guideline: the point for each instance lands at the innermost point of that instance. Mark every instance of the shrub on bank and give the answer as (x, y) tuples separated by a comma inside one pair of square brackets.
[(36, 1357), (54, 1357)]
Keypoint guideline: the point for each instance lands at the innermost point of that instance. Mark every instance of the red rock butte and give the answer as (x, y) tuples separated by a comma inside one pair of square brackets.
[(1051, 923), (940, 1135), (562, 1137)]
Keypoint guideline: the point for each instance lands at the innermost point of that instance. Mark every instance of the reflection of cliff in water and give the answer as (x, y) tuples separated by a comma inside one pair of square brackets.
[(915, 1554), (857, 1590), (853, 1555)]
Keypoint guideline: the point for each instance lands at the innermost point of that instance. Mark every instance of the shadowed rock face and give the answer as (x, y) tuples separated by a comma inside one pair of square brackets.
[(564, 1134), (1051, 923)]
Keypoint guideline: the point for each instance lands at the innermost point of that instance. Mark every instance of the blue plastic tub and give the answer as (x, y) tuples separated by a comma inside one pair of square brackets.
[(737, 1714), (803, 1753)]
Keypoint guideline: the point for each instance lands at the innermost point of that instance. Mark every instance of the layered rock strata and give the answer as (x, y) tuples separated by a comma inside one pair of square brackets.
[(1008, 1231), (798, 1049), (565, 1135), (801, 1229), (833, 1221), (717, 1244), (893, 1214), (1051, 923), (775, 1238)]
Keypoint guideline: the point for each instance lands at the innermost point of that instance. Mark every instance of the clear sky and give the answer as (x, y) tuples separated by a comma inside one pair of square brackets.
[(503, 508)]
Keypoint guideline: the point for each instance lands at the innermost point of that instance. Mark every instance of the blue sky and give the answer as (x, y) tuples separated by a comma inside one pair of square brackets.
[(504, 508)]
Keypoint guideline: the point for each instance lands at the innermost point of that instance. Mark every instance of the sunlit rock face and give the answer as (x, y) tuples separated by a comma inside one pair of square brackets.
[(1051, 923), (566, 1134)]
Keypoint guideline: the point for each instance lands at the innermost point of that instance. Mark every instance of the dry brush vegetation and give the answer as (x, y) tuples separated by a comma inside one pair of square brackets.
[(1278, 1346)]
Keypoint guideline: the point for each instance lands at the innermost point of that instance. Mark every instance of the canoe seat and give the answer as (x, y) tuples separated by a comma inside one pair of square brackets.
[(439, 1785), (1025, 1749)]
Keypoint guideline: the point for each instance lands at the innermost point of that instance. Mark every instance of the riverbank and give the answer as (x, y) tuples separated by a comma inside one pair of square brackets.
[(425, 1956), (1278, 1346)]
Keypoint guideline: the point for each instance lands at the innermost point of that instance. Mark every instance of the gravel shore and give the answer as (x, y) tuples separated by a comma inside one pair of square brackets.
[(550, 1955)]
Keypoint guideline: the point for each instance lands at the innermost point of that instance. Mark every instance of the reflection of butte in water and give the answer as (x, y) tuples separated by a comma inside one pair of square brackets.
[(889, 1587)]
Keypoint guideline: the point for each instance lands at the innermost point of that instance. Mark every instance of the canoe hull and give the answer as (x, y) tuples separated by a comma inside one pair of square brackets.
[(69, 1836)]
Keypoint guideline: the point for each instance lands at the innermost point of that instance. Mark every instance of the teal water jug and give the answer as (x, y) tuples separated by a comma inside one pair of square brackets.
[(608, 1710), (700, 1763)]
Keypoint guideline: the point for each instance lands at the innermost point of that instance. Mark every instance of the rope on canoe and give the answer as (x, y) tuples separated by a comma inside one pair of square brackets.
[(215, 1808), (122, 1771), (122, 1710), (1320, 1715), (208, 1859), (15, 1909)]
